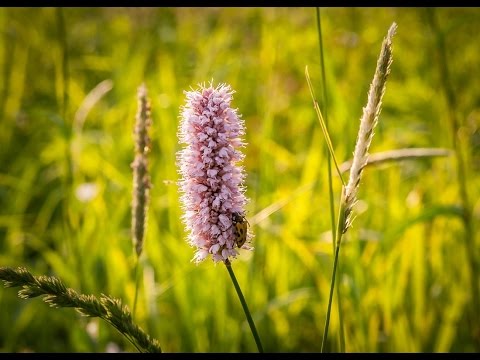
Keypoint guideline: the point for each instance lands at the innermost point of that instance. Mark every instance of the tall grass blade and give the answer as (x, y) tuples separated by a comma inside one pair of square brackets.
[(322, 124), (329, 167)]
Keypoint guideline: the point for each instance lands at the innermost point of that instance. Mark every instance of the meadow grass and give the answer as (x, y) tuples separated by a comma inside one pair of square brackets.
[(65, 190)]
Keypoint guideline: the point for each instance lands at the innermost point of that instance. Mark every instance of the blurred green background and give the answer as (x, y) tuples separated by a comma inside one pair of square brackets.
[(68, 87)]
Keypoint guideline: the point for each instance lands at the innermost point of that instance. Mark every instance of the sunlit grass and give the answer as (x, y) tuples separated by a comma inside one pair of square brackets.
[(404, 283)]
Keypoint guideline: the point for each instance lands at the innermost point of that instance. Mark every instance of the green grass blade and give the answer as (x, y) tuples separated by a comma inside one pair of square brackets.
[(322, 124)]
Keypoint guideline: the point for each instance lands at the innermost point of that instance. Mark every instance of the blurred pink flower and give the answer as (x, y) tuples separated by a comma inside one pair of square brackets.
[(211, 182)]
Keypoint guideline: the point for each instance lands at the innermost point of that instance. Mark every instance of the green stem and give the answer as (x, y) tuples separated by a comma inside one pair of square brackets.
[(340, 317), (322, 124), (244, 305), (338, 241), (137, 282), (329, 166), (330, 298)]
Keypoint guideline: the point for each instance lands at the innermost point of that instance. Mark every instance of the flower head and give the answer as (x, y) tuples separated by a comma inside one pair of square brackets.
[(211, 184)]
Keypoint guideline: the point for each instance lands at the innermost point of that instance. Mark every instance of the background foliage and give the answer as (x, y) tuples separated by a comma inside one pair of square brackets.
[(68, 100)]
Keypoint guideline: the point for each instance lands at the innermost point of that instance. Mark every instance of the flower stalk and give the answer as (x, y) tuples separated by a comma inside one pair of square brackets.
[(244, 306), (211, 184)]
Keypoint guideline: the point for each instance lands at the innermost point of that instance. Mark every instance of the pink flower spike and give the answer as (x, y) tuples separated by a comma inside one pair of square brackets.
[(211, 184)]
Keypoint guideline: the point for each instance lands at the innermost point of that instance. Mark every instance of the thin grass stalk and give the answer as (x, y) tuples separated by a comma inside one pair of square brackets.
[(5, 71), (340, 225), (137, 285), (250, 321), (61, 29), (468, 222), (360, 156), (322, 124), (329, 169), (335, 233)]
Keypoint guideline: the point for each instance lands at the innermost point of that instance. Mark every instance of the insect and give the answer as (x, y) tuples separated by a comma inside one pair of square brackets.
[(240, 227)]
